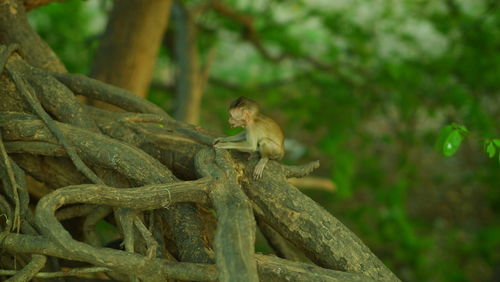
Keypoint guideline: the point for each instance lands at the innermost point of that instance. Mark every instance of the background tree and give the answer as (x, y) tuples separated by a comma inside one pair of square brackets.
[(385, 77)]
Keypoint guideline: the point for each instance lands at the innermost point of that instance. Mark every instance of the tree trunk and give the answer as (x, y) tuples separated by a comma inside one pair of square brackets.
[(191, 75), (15, 29), (129, 47)]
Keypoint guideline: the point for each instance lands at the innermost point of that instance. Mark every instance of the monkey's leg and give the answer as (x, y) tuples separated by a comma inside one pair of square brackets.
[(259, 168), (267, 149)]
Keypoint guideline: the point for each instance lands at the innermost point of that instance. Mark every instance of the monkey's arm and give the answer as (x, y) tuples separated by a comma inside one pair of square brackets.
[(243, 146), (238, 137)]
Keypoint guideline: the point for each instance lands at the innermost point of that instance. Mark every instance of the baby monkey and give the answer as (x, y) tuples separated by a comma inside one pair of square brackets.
[(261, 134)]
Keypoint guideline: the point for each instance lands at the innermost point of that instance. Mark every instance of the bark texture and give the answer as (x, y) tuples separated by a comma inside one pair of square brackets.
[(142, 149), (128, 50), (182, 210)]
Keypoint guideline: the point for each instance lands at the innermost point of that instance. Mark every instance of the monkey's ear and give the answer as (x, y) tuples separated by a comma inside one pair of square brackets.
[(237, 102), (247, 114)]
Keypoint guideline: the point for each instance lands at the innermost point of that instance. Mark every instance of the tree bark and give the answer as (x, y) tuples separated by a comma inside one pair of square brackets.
[(129, 47), (191, 74), (15, 29)]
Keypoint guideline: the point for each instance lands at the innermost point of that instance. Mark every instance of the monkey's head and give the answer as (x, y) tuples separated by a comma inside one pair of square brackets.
[(242, 112)]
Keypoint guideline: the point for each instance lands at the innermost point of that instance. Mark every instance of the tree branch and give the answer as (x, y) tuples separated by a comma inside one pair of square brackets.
[(28, 271), (78, 272), (235, 235), (10, 183), (95, 89), (324, 239), (120, 261), (96, 148), (299, 170), (27, 93), (140, 198), (270, 268)]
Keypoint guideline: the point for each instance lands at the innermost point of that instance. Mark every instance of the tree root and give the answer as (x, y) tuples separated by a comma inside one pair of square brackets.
[(147, 153)]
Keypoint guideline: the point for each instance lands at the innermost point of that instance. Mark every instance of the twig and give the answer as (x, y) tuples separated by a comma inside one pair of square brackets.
[(13, 184), (124, 217), (71, 272), (30, 270), (151, 243), (5, 52), (311, 182), (74, 211), (301, 170), (5, 211), (27, 91), (90, 222)]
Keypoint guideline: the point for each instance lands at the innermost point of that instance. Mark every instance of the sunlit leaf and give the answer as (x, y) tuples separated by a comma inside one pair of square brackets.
[(452, 143), (491, 149), (443, 134)]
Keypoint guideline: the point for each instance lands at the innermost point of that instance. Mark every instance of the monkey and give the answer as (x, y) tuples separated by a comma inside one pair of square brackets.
[(261, 134)]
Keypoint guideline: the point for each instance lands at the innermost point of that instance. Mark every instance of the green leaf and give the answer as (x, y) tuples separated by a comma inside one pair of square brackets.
[(443, 134), (491, 149), (452, 143), (497, 142)]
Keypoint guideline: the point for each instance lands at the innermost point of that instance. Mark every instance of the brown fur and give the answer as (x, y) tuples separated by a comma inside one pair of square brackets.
[(262, 134)]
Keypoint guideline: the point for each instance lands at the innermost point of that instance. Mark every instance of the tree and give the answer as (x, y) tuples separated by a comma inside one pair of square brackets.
[(184, 211)]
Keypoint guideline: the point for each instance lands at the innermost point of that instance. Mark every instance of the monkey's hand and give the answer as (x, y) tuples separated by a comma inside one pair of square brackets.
[(217, 141), (221, 145)]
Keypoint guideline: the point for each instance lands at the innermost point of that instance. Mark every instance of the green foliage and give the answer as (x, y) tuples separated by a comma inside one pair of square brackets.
[(490, 149), (106, 232), (492, 146), (71, 29), (450, 138), (401, 71), (397, 72)]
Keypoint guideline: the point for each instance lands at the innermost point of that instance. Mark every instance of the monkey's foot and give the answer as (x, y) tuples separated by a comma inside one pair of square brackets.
[(259, 168)]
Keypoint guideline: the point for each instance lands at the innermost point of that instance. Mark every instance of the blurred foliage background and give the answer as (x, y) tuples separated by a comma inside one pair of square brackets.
[(366, 87)]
